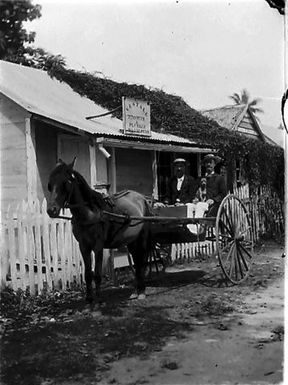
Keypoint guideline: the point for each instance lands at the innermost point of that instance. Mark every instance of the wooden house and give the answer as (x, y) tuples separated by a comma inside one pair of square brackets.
[(237, 117), (240, 118), (43, 120)]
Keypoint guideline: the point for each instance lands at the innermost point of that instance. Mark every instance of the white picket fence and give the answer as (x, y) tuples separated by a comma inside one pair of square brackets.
[(38, 253), (202, 249)]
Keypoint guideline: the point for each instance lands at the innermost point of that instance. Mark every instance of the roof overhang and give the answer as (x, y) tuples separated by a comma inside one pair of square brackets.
[(121, 141), (140, 145)]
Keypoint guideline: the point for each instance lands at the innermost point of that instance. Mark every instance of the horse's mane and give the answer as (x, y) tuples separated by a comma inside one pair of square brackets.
[(92, 197)]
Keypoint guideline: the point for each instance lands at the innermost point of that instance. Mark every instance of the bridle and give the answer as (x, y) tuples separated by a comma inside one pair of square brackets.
[(123, 219), (67, 204)]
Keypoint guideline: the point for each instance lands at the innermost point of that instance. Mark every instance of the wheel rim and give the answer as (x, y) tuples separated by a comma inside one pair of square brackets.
[(234, 239), (158, 257)]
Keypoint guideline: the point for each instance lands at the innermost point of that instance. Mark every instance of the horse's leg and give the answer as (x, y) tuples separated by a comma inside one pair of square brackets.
[(139, 259), (86, 254), (98, 271)]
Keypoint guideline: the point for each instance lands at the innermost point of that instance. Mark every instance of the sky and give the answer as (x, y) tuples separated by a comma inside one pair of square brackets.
[(201, 50)]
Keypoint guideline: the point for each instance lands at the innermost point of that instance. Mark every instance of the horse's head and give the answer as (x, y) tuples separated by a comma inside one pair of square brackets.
[(60, 187)]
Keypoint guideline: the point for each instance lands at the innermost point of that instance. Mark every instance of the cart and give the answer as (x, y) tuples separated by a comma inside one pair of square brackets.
[(231, 230)]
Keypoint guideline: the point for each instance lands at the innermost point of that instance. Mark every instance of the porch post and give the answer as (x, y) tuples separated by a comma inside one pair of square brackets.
[(199, 165), (113, 171), (93, 171), (155, 176), (31, 163)]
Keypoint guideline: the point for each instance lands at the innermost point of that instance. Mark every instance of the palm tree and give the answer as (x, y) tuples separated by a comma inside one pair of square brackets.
[(244, 98)]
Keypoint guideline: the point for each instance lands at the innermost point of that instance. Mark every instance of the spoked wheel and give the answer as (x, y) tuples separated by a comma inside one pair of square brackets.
[(158, 258), (234, 239)]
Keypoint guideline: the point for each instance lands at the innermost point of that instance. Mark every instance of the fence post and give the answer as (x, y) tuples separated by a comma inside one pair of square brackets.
[(46, 243), (21, 249)]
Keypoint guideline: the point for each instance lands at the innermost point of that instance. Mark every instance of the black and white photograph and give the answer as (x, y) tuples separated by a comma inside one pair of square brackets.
[(143, 192)]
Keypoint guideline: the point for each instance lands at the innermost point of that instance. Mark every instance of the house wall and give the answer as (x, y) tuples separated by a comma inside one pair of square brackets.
[(246, 126), (46, 155), (134, 170), (13, 153), (70, 146)]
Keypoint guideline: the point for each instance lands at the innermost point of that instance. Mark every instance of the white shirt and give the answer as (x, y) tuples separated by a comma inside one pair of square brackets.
[(179, 182)]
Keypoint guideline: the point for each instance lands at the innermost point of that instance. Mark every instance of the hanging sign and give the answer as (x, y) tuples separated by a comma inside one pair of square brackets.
[(136, 117)]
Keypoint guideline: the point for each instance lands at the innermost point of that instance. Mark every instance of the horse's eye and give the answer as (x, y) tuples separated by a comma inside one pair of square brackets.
[(68, 185), (49, 187)]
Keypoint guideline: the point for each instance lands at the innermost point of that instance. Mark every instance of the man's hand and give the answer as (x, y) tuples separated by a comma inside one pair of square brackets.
[(210, 202)]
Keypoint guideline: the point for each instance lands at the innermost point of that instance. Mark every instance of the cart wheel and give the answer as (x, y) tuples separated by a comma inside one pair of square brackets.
[(234, 239), (163, 254), (159, 257)]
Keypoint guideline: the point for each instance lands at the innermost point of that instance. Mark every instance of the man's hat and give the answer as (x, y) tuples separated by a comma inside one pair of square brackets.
[(216, 158), (179, 160)]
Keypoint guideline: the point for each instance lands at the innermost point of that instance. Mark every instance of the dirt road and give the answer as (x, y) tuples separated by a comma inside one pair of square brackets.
[(187, 331)]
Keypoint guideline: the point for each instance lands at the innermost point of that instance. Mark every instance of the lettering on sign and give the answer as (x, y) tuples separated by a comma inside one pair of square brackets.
[(136, 117)]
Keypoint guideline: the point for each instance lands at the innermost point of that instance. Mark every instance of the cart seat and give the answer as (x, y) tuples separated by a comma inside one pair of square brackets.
[(165, 232)]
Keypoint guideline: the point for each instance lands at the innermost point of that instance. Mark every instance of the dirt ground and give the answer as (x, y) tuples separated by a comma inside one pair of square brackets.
[(189, 330)]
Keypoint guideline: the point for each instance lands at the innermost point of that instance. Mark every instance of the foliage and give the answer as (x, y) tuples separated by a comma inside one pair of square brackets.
[(278, 4), (15, 40), (244, 98), (13, 35), (263, 163), (41, 59)]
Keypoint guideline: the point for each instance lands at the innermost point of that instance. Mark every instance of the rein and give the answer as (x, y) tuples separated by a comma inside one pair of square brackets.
[(67, 204), (122, 219)]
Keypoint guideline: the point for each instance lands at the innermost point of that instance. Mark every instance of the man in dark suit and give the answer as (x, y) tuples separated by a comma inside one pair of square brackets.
[(182, 188), (215, 186)]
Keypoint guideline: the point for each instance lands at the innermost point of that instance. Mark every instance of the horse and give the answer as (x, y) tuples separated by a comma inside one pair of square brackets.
[(98, 223)]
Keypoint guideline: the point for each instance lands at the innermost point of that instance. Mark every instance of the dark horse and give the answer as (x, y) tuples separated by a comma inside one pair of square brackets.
[(95, 229)]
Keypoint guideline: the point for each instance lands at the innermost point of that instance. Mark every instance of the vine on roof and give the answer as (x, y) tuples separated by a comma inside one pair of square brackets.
[(263, 163)]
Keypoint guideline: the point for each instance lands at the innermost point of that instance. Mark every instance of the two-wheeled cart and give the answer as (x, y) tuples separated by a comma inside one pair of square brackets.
[(231, 230)]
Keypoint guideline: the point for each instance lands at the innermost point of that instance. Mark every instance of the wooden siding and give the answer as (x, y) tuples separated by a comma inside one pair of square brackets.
[(70, 146), (46, 155), (13, 153), (247, 126), (134, 170)]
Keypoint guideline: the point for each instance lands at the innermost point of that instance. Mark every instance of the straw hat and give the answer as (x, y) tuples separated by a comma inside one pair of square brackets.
[(216, 158), (179, 160)]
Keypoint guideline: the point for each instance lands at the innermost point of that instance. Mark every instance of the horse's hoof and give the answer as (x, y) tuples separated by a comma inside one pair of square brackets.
[(133, 296), (141, 296)]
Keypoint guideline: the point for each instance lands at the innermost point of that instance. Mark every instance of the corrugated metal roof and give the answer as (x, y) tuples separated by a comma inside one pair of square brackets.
[(226, 116), (39, 94)]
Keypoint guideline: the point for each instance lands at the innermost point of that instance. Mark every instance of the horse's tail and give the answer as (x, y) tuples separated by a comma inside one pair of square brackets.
[(148, 212)]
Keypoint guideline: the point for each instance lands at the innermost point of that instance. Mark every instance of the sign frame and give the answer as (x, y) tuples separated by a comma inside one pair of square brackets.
[(136, 117)]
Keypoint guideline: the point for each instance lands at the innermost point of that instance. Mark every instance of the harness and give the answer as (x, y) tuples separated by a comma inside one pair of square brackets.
[(121, 218)]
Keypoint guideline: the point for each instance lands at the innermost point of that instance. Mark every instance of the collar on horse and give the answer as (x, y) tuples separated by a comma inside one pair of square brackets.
[(122, 218)]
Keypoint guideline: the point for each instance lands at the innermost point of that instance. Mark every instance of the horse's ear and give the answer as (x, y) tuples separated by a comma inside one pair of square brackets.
[(60, 161), (72, 165)]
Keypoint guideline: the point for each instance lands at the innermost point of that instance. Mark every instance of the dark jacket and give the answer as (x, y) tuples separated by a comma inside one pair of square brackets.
[(216, 190), (215, 187), (185, 194)]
